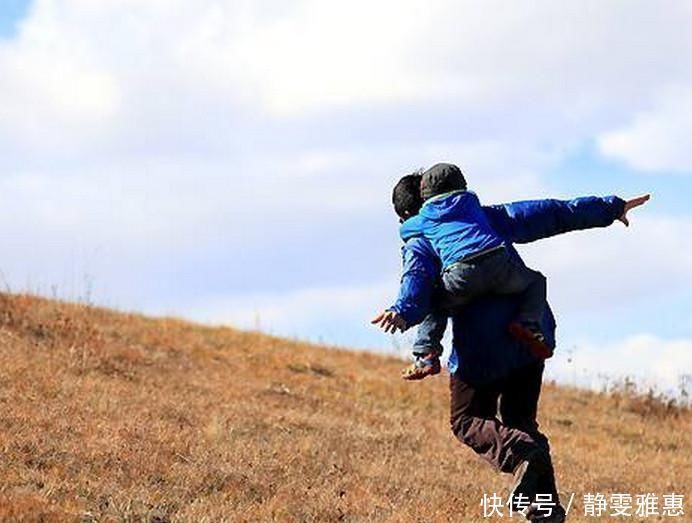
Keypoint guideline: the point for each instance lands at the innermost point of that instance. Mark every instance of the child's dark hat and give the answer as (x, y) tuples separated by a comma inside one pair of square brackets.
[(441, 178)]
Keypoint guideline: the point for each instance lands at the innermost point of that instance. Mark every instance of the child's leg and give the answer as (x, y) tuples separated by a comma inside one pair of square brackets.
[(462, 283), (427, 347), (432, 328), (501, 273), (430, 333), (534, 296), (508, 275), (511, 276)]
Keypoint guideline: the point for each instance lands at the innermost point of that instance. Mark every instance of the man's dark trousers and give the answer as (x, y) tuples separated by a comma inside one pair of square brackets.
[(507, 442)]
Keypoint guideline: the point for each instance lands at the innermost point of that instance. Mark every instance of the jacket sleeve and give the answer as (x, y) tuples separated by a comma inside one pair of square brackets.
[(528, 221), (420, 270)]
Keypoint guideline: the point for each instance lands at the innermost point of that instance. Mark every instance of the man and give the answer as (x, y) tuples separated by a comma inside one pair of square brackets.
[(486, 364)]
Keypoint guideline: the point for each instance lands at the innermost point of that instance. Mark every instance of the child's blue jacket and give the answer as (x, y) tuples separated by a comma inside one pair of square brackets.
[(455, 224), (482, 350)]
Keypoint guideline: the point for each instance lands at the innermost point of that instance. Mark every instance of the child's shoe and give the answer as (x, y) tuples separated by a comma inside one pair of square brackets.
[(529, 334), (422, 367)]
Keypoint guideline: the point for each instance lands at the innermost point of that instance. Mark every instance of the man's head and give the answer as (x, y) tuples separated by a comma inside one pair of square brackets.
[(441, 178), (406, 195)]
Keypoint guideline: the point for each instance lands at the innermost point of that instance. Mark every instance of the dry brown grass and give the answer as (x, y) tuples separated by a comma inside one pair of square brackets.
[(116, 417)]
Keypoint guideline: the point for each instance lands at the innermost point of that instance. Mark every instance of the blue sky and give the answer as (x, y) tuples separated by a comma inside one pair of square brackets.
[(232, 162), (11, 11)]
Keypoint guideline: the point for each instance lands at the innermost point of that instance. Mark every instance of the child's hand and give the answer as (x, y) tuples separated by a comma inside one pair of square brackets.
[(631, 204), (389, 321)]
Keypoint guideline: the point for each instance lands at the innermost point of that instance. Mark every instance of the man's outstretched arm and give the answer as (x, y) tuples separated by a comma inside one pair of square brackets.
[(528, 221)]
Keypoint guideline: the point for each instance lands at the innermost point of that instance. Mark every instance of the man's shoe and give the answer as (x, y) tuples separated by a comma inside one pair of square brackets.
[(422, 368), (530, 335)]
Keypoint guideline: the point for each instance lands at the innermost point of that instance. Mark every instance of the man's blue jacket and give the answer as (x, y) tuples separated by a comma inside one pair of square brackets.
[(482, 350)]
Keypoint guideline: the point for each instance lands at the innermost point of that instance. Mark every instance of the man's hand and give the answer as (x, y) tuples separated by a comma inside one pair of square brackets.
[(631, 204), (389, 321)]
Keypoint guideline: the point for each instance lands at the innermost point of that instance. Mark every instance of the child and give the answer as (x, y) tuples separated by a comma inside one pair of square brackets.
[(474, 261)]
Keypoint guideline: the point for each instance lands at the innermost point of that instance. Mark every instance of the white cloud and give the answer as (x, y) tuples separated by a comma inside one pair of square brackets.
[(53, 84), (86, 58), (656, 139), (651, 361), (169, 129), (498, 171), (329, 54), (118, 78), (331, 314), (606, 286), (603, 268)]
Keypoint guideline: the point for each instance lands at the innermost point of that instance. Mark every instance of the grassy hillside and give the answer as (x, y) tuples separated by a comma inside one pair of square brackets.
[(112, 417)]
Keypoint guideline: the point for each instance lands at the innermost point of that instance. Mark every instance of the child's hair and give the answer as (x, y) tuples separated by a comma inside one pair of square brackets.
[(406, 195), (441, 178)]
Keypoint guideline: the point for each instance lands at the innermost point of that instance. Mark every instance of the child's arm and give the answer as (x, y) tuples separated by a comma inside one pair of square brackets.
[(420, 269), (524, 222)]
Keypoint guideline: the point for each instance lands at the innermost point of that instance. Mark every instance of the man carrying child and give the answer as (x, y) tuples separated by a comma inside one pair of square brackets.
[(491, 362)]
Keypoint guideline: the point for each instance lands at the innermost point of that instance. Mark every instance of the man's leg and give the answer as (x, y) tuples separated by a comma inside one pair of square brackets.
[(474, 422), (518, 407), (520, 393)]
